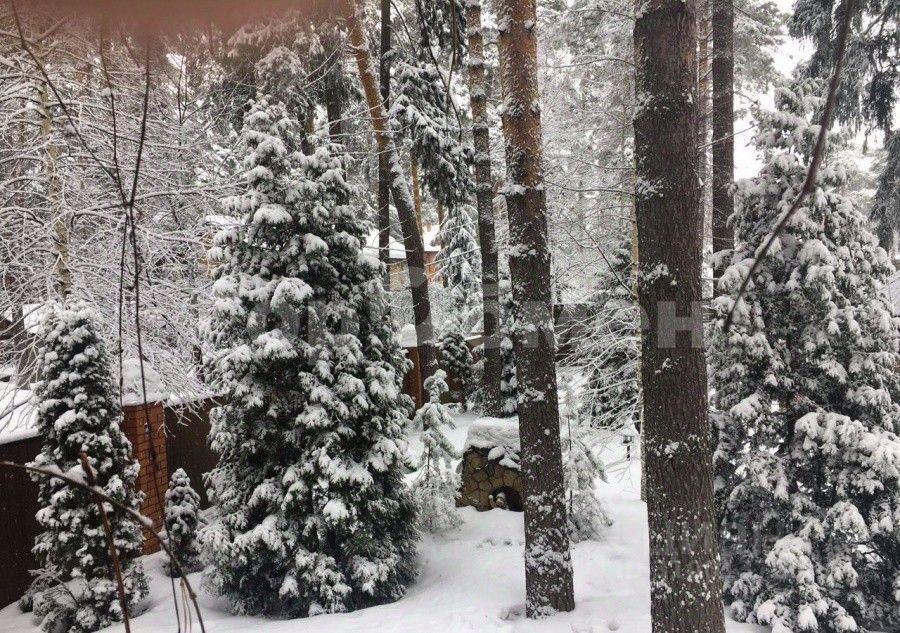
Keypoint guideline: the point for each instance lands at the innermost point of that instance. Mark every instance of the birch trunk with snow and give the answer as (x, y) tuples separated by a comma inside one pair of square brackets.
[(484, 195), (685, 585), (548, 567), (62, 271), (399, 186), (722, 127)]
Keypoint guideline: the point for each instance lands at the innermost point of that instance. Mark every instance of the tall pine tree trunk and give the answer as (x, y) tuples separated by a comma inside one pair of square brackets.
[(548, 567), (384, 182), (685, 585), (399, 186), (334, 108), (484, 201), (722, 126), (416, 186)]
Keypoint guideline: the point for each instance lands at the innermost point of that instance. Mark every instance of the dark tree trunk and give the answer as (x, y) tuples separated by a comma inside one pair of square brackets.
[(384, 182), (484, 200), (335, 109), (722, 126), (548, 567), (685, 585), (399, 185)]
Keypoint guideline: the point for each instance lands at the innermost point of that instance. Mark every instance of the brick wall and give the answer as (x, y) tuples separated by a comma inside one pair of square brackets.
[(136, 417)]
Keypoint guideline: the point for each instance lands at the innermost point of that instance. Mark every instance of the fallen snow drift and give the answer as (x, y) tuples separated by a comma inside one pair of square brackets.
[(471, 579)]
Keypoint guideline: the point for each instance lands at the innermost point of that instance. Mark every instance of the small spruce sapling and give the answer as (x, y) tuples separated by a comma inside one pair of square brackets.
[(588, 519), (181, 521), (436, 485), (456, 357)]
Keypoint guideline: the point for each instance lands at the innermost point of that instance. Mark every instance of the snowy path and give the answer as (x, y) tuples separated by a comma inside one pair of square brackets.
[(470, 580)]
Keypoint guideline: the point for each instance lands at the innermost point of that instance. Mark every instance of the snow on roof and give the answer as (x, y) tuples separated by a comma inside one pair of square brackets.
[(133, 387), (408, 337), (32, 315), (430, 237), (222, 221), (397, 250), (499, 436), (18, 416)]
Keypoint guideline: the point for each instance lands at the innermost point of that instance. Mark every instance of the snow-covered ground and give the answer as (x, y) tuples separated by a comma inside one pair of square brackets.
[(471, 579)]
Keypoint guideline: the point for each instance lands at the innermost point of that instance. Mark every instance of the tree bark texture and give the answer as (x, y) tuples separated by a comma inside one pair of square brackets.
[(384, 178), (399, 186), (484, 195), (416, 187), (722, 126), (685, 583), (704, 83), (334, 108), (548, 568)]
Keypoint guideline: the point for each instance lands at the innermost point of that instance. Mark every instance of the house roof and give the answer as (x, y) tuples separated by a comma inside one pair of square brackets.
[(18, 416), (397, 250)]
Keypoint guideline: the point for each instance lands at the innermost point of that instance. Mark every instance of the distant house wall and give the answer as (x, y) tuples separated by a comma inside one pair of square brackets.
[(412, 381), (187, 430), (18, 527)]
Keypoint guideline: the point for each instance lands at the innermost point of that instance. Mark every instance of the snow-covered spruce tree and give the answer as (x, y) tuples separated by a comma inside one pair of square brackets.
[(436, 485), (808, 464), (509, 385), (421, 110), (181, 521), (314, 516), (78, 412), (609, 351), (459, 267)]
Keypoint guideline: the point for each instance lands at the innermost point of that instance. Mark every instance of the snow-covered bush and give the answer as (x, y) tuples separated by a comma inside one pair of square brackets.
[(808, 459), (587, 517), (608, 350), (181, 521), (78, 412), (436, 484), (314, 516)]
